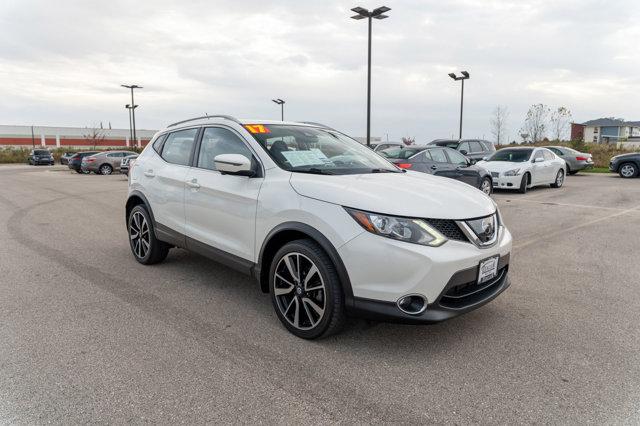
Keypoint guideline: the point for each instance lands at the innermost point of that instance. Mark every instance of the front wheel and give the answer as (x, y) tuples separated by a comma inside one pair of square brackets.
[(486, 186), (306, 291), (628, 170), (524, 183), (559, 179), (146, 248)]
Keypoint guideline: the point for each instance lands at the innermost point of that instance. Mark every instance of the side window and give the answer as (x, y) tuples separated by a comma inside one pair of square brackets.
[(556, 151), (426, 155), (464, 146), (438, 155), (216, 141), (456, 157), (157, 144), (548, 155), (476, 147), (114, 154), (538, 155), (177, 147)]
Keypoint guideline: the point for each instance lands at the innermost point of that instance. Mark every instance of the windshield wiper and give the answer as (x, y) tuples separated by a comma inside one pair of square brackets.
[(384, 171), (315, 171)]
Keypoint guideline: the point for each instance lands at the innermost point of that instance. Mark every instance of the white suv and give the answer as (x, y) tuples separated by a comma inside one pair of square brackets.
[(325, 225)]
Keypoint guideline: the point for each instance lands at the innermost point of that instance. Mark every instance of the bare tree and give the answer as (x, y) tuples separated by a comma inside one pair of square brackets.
[(560, 120), (94, 136), (499, 124), (408, 140), (535, 124)]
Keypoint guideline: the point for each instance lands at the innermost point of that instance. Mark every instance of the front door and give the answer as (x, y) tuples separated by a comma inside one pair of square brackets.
[(221, 208)]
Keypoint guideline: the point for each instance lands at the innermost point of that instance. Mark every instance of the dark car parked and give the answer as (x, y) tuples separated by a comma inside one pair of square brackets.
[(440, 161), (64, 159), (76, 161), (40, 156), (626, 165), (473, 149)]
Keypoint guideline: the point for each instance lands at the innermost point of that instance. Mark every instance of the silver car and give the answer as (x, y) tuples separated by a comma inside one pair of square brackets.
[(575, 160), (104, 163), (126, 163)]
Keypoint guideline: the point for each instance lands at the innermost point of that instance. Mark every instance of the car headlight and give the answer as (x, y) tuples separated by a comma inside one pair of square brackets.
[(512, 172), (410, 230)]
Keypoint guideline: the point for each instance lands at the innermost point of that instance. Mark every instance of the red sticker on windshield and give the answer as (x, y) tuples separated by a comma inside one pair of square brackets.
[(257, 128)]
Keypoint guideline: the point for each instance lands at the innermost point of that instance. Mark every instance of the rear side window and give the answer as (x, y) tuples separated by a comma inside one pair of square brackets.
[(464, 146), (476, 147), (177, 148), (438, 155), (216, 141)]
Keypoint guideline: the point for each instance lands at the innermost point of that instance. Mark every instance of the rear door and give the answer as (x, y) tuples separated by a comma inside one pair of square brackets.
[(221, 208), (440, 165), (163, 176), (462, 170)]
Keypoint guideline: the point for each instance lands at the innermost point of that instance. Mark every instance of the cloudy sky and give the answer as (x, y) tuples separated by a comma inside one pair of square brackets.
[(61, 63)]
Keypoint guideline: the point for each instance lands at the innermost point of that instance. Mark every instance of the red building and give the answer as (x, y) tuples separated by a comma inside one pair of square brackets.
[(58, 137)]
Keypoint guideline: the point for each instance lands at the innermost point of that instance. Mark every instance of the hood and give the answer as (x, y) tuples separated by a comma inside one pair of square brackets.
[(410, 194), (622, 156), (501, 166)]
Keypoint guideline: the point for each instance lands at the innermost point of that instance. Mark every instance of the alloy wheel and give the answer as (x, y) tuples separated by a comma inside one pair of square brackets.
[(139, 234), (299, 291), (559, 178), (105, 170), (627, 170), (486, 186)]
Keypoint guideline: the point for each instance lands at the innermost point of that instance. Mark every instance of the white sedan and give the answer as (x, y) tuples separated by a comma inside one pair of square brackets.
[(523, 168)]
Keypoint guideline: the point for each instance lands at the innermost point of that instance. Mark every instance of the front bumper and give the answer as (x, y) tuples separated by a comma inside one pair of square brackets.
[(506, 182), (382, 270)]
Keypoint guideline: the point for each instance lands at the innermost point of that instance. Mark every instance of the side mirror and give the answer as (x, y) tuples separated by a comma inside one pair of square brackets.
[(234, 164), (538, 160), (471, 161), (463, 152), (485, 158)]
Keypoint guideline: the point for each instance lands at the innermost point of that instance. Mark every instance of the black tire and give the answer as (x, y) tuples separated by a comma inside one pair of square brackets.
[(559, 179), (486, 186), (157, 250), (572, 172), (105, 169), (327, 284), (79, 171), (628, 170), (523, 183)]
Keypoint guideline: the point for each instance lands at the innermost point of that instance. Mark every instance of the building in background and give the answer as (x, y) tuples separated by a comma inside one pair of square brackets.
[(607, 130), (72, 137)]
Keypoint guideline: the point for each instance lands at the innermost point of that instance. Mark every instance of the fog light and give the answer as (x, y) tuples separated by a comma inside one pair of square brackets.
[(412, 304)]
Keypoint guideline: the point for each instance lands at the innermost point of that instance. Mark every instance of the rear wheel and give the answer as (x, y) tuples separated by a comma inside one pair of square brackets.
[(559, 179), (486, 186), (105, 169), (306, 291), (146, 248), (628, 170), (524, 183)]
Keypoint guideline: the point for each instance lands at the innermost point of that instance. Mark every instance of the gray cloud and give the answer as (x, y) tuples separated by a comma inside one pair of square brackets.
[(62, 63)]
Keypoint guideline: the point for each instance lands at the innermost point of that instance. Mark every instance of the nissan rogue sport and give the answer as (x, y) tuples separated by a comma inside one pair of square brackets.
[(326, 226)]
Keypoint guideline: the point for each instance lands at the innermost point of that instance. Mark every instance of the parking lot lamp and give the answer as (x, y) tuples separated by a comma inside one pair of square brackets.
[(363, 13), (128, 107), (465, 75), (133, 112), (281, 103)]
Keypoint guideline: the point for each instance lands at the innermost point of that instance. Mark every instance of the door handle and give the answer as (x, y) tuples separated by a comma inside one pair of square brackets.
[(193, 183), (149, 173), (434, 167)]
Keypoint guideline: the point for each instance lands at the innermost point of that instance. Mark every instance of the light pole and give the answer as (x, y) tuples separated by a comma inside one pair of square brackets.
[(363, 13), (130, 108), (281, 103), (133, 108), (465, 75)]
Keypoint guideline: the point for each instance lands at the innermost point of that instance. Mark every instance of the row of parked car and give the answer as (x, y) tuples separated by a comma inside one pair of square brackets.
[(99, 162), (477, 163)]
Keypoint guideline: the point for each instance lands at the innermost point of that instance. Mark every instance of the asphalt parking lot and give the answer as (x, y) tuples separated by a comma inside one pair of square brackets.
[(89, 335)]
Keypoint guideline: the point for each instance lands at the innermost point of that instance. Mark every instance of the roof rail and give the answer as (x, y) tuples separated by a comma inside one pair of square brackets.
[(226, 117), (313, 123)]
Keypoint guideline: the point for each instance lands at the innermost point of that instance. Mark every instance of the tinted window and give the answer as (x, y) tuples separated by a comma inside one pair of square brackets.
[(177, 147), (157, 145), (116, 154), (556, 150), (40, 152), (426, 155), (514, 155), (438, 155), (476, 147), (216, 141), (464, 146), (456, 157)]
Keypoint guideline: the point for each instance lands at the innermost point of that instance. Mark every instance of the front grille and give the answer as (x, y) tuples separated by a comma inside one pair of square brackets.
[(470, 293), (448, 228), (495, 174)]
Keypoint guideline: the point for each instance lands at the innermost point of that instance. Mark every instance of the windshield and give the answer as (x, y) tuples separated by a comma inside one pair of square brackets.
[(41, 152), (512, 155), (400, 153), (314, 150)]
